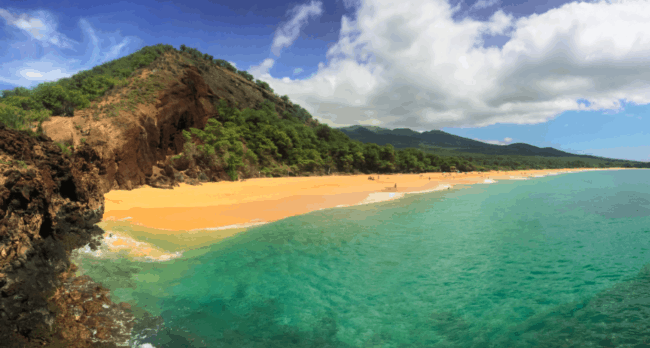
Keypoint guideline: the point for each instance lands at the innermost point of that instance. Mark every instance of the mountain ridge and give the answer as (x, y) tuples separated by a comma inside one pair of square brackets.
[(403, 138)]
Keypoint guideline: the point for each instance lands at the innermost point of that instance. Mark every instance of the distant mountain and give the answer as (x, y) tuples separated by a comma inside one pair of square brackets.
[(402, 138)]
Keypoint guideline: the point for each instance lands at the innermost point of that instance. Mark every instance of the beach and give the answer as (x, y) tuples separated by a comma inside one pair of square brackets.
[(222, 209)]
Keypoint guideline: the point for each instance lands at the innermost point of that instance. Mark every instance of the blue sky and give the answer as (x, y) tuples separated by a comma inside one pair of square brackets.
[(574, 76)]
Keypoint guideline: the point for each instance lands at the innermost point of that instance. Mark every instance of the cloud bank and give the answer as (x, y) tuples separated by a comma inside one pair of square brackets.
[(409, 64)]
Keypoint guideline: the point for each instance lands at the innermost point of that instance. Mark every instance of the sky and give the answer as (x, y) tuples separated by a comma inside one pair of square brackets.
[(570, 75)]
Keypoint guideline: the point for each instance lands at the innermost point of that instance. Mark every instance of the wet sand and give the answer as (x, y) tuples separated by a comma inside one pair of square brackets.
[(232, 204), (226, 208)]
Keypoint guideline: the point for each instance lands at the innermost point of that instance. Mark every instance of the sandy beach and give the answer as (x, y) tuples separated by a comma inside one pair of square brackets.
[(226, 208)]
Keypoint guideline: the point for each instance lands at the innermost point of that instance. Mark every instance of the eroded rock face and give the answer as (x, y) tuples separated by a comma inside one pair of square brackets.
[(49, 205), (132, 150)]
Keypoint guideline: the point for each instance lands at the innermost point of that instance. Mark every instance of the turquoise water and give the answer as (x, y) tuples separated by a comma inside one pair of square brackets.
[(558, 261)]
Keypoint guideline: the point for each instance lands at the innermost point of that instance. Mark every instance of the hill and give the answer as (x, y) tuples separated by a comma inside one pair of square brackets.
[(158, 117), (402, 138), (161, 116)]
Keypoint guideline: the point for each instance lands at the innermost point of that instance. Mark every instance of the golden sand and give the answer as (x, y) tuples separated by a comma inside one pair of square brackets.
[(226, 207), (221, 204)]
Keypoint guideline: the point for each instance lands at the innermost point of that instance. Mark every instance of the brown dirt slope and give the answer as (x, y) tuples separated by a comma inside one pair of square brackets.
[(134, 130)]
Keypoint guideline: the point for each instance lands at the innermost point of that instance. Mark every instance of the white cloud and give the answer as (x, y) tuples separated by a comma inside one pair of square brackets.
[(480, 4), (41, 28), (297, 71), (505, 141), (499, 23), (261, 71), (350, 4), (289, 31), (415, 66)]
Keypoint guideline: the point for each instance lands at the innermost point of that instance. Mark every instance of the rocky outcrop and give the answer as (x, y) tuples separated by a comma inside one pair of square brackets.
[(49, 205), (51, 199), (133, 148)]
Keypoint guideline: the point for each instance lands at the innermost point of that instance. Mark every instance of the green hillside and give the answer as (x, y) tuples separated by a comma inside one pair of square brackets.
[(516, 155), (274, 137)]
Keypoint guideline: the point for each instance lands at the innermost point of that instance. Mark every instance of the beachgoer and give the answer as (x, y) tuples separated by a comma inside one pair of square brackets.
[(395, 185)]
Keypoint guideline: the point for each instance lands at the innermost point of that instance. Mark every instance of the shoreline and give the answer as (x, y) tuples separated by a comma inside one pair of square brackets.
[(228, 208)]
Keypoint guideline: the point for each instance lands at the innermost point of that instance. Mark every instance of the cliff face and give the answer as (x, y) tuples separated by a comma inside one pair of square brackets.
[(133, 147), (129, 149), (50, 201), (49, 205)]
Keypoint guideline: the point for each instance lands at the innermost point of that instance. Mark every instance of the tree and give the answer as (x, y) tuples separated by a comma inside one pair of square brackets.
[(264, 85), (246, 75)]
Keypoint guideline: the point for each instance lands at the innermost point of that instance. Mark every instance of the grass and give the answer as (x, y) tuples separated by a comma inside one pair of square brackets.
[(14, 162), (141, 91)]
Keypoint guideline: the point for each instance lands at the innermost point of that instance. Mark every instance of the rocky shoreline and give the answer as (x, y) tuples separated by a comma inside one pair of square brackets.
[(49, 205)]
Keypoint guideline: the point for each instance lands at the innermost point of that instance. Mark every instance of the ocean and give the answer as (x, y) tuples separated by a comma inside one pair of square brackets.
[(555, 261)]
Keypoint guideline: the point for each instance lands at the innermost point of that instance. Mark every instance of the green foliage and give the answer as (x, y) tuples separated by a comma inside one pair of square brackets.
[(225, 64), (264, 85), (21, 106), (18, 91), (65, 148), (246, 75), (16, 117)]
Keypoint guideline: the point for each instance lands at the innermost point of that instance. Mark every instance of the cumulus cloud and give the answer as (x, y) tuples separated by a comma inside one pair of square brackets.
[(261, 71), (289, 31), (410, 64), (41, 30)]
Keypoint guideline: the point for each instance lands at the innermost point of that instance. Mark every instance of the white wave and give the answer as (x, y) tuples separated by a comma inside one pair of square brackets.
[(376, 197), (438, 188), (518, 178), (114, 243), (245, 225)]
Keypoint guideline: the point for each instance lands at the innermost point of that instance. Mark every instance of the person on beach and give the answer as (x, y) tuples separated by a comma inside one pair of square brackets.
[(396, 185)]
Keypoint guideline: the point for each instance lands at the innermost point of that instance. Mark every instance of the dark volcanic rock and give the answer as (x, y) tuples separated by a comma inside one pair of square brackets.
[(49, 205)]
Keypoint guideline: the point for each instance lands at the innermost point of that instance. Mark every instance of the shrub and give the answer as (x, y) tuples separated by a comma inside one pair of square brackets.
[(264, 85), (246, 75)]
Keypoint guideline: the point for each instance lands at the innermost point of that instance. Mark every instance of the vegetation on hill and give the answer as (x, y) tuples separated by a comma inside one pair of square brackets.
[(260, 142), (482, 155)]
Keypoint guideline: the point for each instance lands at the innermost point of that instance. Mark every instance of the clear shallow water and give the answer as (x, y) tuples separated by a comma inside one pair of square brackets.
[(547, 262)]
